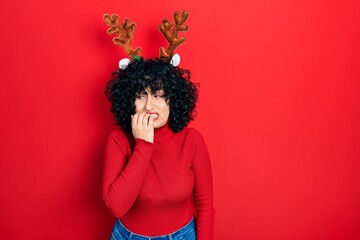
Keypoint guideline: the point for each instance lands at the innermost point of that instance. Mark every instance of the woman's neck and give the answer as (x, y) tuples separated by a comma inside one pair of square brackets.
[(162, 133)]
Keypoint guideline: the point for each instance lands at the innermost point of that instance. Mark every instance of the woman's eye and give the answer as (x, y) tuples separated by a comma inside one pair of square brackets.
[(140, 97)]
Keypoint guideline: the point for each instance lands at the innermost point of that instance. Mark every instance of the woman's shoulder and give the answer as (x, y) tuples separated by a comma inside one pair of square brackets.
[(121, 138), (192, 133), (118, 133)]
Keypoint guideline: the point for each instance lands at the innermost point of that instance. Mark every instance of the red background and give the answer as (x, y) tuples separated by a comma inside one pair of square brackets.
[(279, 110)]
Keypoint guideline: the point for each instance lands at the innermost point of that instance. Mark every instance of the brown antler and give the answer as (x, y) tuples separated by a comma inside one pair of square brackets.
[(172, 36), (125, 33)]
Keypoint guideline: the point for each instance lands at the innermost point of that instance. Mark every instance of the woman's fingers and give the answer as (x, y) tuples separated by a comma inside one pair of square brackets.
[(134, 119), (142, 126), (140, 118), (151, 122), (145, 121)]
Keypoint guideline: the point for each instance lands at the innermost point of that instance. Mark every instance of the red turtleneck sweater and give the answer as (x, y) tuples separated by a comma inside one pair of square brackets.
[(156, 188)]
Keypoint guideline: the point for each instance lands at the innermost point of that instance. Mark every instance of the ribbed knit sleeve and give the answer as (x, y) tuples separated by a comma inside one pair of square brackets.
[(203, 190), (124, 171)]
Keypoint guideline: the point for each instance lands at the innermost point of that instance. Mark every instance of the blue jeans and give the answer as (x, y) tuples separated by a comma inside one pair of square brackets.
[(185, 233)]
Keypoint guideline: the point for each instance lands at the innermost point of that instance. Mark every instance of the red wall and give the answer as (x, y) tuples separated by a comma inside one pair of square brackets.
[(279, 110)]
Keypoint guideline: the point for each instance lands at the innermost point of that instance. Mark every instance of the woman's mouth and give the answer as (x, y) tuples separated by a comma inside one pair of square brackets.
[(154, 115)]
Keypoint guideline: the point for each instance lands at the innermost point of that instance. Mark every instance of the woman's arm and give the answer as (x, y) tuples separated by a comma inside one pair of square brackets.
[(123, 177), (203, 191)]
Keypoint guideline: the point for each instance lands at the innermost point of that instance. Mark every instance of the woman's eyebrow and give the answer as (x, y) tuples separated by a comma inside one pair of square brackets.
[(160, 91)]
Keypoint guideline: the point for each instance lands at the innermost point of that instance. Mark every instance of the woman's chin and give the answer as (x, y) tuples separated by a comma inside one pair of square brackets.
[(158, 125)]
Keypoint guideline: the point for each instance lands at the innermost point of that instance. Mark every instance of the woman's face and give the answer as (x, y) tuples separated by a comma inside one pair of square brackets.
[(154, 104)]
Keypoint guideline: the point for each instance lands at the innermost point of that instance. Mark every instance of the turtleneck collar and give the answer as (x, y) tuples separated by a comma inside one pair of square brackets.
[(163, 133)]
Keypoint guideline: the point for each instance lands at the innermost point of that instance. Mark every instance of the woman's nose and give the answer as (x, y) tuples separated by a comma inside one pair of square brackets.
[(149, 103)]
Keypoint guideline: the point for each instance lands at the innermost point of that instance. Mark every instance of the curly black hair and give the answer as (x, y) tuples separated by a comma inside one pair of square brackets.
[(155, 74)]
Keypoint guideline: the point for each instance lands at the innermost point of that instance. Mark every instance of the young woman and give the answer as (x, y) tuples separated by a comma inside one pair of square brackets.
[(157, 174)]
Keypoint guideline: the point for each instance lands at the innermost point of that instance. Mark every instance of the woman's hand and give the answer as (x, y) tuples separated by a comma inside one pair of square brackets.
[(142, 126)]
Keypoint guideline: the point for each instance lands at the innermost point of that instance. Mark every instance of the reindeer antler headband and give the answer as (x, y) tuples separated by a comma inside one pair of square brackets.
[(125, 32)]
